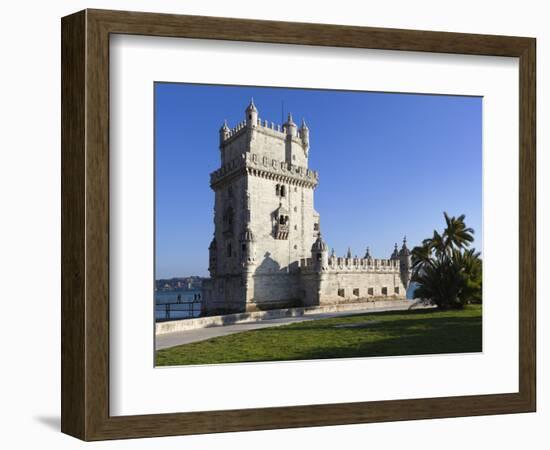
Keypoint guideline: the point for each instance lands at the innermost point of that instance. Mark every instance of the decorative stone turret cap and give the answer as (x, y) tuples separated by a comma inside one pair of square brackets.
[(367, 253), (251, 107), (395, 253), (247, 235), (319, 245), (289, 121), (224, 126), (404, 249), (304, 125), (349, 252), (332, 253)]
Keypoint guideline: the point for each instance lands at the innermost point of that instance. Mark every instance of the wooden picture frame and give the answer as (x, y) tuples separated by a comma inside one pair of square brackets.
[(85, 224)]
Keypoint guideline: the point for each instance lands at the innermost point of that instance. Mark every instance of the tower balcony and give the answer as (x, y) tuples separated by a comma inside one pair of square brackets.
[(281, 231)]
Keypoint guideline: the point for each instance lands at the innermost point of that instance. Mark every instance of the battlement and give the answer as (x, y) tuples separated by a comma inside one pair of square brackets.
[(254, 164), (272, 129), (360, 265)]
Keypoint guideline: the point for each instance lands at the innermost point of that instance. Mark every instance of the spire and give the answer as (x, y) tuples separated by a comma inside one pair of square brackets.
[(251, 106), (349, 253), (224, 126), (304, 125), (395, 253), (332, 253), (404, 249), (290, 126), (367, 253), (289, 120)]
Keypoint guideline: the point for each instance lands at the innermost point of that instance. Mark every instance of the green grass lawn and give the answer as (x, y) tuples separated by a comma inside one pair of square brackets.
[(418, 332)]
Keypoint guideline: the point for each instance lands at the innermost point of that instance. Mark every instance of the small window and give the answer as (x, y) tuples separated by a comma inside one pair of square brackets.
[(295, 227), (250, 117), (341, 293), (384, 291), (295, 247), (229, 250), (396, 290), (356, 292), (283, 191), (278, 190), (371, 291), (315, 227), (244, 248), (295, 209)]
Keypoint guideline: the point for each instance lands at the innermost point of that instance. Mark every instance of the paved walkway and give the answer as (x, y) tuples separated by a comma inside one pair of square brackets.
[(186, 337)]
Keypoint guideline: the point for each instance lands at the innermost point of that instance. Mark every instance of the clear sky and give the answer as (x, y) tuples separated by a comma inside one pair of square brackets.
[(389, 165)]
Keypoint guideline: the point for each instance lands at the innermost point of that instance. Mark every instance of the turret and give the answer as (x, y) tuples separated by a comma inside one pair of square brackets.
[(395, 254), (319, 254), (405, 263), (290, 127), (304, 134), (212, 260), (248, 247), (367, 254), (251, 114), (224, 132)]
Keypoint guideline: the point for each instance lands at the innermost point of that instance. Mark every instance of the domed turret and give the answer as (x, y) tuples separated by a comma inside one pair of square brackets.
[(290, 126), (404, 249), (319, 245), (251, 114), (247, 235), (395, 254), (405, 263), (212, 261), (248, 250), (224, 132), (304, 134), (319, 254)]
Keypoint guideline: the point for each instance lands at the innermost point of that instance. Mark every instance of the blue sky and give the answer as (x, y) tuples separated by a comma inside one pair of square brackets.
[(389, 164)]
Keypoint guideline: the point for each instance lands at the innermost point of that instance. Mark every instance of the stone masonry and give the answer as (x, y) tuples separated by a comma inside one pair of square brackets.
[(267, 251)]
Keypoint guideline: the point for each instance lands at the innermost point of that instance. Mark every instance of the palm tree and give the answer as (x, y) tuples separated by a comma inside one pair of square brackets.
[(444, 270), (436, 242), (456, 234), (421, 256)]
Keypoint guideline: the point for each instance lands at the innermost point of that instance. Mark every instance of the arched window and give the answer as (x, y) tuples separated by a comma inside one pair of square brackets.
[(278, 190), (229, 249), (283, 191)]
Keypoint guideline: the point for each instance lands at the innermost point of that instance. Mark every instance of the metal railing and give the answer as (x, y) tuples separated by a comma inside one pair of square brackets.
[(177, 310)]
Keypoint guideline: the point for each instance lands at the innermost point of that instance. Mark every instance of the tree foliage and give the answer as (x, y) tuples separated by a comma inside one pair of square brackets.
[(445, 270)]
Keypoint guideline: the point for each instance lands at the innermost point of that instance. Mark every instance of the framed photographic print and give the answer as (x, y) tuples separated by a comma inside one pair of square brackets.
[(271, 225)]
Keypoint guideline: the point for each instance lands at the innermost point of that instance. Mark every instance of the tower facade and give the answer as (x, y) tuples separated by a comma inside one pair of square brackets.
[(267, 251), (264, 219)]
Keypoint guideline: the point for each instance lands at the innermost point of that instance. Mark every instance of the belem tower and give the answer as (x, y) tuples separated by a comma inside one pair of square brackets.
[(267, 251)]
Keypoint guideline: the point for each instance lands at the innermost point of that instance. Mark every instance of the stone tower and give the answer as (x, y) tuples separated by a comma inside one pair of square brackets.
[(264, 220)]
